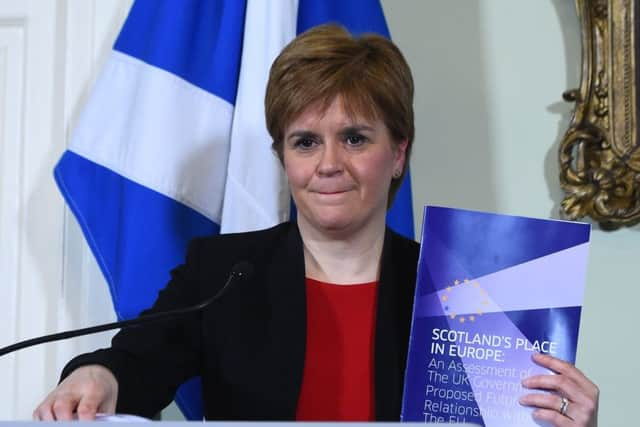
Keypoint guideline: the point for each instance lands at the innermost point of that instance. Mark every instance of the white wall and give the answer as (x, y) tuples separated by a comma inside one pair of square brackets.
[(490, 116)]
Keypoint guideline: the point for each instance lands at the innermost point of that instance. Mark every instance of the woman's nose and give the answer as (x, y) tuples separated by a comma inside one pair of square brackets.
[(331, 161)]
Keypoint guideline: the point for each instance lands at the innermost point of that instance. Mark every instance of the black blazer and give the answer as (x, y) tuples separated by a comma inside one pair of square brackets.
[(249, 347)]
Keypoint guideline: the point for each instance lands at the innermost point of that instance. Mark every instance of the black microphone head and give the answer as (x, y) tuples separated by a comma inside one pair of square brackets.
[(242, 270)]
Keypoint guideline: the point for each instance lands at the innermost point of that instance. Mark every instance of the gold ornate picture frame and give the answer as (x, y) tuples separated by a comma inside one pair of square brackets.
[(599, 154)]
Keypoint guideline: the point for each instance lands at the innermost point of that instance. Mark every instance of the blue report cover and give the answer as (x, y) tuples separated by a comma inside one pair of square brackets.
[(491, 290)]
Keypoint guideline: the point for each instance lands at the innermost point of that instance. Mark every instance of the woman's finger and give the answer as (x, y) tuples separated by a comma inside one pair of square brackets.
[(568, 370), (88, 406), (559, 384), (63, 406), (552, 417), (44, 412), (543, 400)]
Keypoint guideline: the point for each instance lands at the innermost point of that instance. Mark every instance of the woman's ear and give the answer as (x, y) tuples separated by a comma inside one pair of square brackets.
[(400, 151)]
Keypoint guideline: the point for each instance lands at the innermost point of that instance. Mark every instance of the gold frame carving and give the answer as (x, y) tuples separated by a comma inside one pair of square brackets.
[(599, 154)]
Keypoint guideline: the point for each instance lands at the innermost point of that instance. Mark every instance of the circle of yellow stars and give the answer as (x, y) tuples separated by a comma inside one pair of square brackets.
[(466, 282)]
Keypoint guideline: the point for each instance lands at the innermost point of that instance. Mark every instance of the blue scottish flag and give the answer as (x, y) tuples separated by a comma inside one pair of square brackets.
[(172, 143)]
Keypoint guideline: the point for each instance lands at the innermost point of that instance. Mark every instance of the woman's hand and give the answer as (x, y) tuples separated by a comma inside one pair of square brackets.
[(88, 390), (573, 400)]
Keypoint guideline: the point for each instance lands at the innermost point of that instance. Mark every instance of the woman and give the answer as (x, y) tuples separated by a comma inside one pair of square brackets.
[(320, 331)]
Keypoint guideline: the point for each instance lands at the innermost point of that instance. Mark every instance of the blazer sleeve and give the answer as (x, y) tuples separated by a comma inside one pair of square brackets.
[(151, 361)]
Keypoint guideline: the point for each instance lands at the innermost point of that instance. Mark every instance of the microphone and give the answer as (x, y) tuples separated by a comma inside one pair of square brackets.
[(240, 271)]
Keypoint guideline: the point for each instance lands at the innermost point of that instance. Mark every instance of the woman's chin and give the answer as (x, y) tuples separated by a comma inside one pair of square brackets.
[(334, 220), (335, 224)]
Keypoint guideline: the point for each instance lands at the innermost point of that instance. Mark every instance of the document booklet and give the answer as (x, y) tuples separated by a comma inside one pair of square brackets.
[(491, 290)]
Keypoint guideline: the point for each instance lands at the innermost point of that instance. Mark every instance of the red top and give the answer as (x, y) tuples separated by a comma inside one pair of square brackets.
[(338, 380)]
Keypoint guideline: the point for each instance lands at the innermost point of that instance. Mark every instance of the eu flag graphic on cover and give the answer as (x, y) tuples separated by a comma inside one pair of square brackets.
[(491, 290)]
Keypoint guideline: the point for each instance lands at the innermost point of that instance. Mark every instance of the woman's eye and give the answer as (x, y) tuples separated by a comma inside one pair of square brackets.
[(304, 143), (356, 140)]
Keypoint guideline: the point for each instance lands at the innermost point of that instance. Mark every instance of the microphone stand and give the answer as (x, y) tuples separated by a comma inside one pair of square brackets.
[(239, 271)]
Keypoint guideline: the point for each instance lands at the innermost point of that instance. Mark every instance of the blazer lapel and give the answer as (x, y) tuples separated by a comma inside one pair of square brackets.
[(386, 355), (287, 293), (393, 321)]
